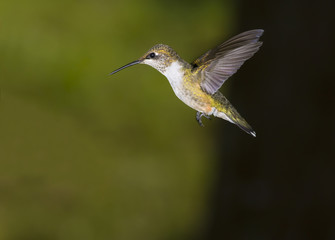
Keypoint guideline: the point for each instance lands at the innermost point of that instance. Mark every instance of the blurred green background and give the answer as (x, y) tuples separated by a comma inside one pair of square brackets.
[(85, 155), (89, 156)]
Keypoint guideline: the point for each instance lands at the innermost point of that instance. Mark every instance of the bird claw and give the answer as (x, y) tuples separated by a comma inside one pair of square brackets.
[(199, 116)]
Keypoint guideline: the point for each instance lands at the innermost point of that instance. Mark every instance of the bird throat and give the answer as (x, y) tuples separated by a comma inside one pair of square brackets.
[(175, 74)]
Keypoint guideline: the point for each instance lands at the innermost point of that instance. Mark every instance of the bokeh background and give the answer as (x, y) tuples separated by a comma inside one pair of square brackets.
[(84, 155)]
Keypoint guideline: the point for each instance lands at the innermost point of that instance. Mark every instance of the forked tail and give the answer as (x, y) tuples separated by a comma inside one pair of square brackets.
[(225, 110)]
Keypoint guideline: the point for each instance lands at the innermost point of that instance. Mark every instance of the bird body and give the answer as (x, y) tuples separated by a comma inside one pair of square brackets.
[(186, 86), (197, 84)]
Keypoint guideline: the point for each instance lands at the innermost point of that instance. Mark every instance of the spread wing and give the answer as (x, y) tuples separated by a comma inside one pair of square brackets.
[(219, 63)]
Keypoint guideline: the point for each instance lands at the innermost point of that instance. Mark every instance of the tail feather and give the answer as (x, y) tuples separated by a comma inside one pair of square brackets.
[(225, 110)]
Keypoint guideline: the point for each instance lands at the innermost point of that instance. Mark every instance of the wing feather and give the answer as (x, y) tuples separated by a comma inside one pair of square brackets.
[(218, 64)]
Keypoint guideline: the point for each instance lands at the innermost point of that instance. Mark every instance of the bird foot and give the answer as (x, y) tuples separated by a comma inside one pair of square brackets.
[(199, 116)]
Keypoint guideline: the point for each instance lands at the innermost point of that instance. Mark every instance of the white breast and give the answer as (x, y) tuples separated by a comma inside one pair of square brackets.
[(175, 74)]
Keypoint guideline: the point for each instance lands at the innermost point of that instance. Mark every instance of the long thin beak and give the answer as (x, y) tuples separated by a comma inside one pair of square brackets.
[(125, 66)]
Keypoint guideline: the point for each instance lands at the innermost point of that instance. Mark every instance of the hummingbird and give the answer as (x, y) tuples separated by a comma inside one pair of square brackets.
[(197, 84)]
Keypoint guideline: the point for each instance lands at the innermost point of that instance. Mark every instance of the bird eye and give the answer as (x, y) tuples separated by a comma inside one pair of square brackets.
[(152, 55)]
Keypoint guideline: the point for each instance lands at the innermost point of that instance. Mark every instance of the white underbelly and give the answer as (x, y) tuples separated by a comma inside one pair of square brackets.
[(175, 75)]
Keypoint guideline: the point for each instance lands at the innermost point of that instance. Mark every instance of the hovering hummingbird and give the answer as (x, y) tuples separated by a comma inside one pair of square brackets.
[(197, 84)]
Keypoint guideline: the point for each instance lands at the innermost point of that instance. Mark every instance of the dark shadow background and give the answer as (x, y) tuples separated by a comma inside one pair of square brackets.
[(281, 184)]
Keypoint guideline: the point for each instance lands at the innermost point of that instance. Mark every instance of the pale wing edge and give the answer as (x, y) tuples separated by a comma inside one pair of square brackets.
[(239, 40), (222, 68)]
